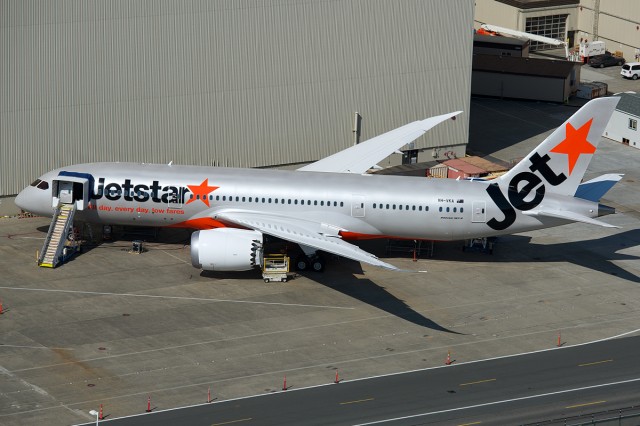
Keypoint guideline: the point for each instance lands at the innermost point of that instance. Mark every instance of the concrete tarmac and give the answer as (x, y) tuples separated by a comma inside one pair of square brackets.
[(114, 328)]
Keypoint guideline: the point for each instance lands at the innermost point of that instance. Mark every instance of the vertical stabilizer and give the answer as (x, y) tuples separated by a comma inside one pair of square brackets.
[(563, 157)]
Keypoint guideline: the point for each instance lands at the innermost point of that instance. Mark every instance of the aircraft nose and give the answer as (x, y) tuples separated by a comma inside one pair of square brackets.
[(30, 200), (21, 199)]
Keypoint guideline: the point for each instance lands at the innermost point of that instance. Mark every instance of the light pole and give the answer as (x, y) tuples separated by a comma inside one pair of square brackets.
[(94, 413)]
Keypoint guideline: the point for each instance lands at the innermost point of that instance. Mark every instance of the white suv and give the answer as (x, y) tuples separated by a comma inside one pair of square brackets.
[(631, 70)]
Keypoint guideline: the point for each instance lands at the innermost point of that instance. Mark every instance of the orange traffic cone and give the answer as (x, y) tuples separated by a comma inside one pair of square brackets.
[(337, 379), (448, 360), (100, 415), (284, 383)]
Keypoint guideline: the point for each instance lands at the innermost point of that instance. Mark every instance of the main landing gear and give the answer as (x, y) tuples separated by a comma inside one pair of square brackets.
[(314, 263)]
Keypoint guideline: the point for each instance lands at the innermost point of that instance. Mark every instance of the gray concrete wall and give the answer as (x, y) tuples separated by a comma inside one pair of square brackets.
[(519, 86), (237, 83)]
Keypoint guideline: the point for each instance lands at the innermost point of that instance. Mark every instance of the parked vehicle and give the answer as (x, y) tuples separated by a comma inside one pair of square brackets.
[(631, 70), (606, 60)]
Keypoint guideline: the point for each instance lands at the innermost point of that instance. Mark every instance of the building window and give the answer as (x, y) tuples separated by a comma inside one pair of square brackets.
[(633, 124), (552, 26)]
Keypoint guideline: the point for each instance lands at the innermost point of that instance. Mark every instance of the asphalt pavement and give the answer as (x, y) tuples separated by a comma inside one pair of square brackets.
[(556, 383)]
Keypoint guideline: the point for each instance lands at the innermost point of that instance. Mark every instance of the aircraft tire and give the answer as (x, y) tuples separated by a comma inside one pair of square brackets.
[(317, 264), (302, 263)]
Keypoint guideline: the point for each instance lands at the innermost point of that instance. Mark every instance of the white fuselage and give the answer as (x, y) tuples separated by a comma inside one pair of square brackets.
[(357, 206)]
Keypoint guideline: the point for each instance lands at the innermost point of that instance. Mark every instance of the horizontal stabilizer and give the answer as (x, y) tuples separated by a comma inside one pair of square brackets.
[(594, 189), (567, 215)]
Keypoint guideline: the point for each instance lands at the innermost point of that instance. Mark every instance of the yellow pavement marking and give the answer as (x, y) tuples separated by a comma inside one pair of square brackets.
[(469, 424), (586, 404), (232, 421), (357, 401), (594, 363), (479, 381)]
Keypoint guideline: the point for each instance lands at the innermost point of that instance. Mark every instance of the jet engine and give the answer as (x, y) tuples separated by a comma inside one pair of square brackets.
[(226, 249)]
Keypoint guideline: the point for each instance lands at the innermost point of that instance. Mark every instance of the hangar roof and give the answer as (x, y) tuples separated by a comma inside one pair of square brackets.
[(523, 66)]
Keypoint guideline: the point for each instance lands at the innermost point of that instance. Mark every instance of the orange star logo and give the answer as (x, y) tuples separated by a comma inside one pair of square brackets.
[(201, 192), (575, 144)]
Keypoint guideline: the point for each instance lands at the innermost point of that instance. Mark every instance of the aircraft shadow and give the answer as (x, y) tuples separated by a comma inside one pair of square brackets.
[(339, 276), (531, 118), (518, 248)]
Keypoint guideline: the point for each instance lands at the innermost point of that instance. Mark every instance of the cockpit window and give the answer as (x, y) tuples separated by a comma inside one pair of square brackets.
[(36, 182), (43, 185)]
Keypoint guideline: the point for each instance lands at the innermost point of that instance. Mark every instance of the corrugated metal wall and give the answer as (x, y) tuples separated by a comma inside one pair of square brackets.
[(238, 83)]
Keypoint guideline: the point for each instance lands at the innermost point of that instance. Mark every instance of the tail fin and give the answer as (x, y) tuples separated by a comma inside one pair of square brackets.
[(563, 157)]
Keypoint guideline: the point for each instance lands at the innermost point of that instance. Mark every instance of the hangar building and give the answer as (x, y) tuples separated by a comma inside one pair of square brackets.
[(247, 83)]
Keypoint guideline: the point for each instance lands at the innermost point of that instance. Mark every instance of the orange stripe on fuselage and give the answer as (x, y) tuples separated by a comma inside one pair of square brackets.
[(346, 235), (200, 223)]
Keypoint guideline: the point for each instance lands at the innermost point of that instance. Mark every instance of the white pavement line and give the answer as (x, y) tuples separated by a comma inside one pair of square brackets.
[(504, 401), (2, 345), (203, 299), (176, 257)]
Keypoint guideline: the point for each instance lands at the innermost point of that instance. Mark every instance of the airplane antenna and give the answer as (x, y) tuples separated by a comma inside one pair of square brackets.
[(170, 163)]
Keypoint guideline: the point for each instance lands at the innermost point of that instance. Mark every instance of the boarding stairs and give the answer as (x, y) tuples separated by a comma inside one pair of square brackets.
[(57, 236)]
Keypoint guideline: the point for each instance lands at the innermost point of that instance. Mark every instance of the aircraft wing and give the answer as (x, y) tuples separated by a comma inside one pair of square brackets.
[(301, 232), (365, 155)]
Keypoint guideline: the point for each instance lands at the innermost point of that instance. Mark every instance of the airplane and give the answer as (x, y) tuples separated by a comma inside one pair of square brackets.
[(326, 204)]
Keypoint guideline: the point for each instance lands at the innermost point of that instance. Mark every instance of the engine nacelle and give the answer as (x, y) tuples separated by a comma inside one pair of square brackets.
[(226, 249)]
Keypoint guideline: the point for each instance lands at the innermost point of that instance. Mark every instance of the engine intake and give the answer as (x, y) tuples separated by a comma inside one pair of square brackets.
[(226, 249)]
